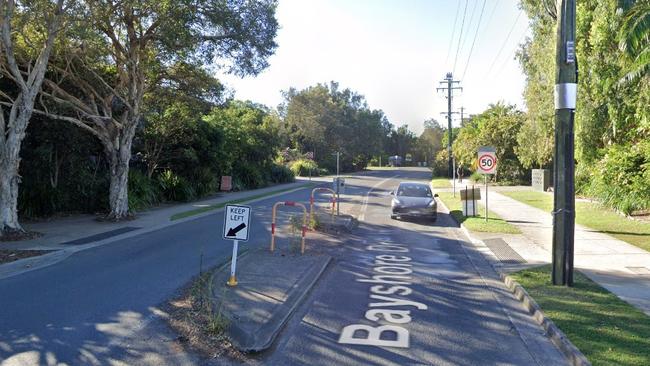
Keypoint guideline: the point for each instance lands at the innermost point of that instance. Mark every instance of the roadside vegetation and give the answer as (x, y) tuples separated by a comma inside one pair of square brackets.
[(606, 329), (200, 210), (594, 216), (612, 117), (440, 182), (200, 324), (110, 128), (494, 224)]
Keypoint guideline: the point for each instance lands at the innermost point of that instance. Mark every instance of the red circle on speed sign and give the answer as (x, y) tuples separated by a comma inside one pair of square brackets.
[(487, 163)]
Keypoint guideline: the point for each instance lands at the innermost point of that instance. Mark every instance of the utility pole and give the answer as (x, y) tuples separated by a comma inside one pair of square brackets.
[(449, 80), (462, 115), (566, 81)]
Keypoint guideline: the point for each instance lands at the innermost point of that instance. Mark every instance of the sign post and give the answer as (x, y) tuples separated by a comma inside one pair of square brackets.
[(236, 224), (487, 164)]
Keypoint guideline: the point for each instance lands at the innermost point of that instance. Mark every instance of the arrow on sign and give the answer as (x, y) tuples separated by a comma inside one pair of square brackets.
[(236, 229)]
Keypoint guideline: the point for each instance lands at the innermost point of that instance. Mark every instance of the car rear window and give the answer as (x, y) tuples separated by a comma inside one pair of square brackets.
[(413, 190)]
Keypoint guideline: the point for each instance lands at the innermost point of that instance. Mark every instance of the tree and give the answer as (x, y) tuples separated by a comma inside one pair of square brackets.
[(402, 141), (326, 119), (497, 126), (122, 49), (27, 35), (171, 111), (635, 39), (535, 140), (430, 141)]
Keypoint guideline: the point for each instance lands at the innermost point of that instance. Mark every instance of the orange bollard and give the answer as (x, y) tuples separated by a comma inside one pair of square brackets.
[(304, 223)]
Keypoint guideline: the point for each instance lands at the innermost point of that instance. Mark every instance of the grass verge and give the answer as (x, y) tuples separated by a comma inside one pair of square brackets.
[(594, 216), (440, 183), (606, 329), (200, 210), (494, 224)]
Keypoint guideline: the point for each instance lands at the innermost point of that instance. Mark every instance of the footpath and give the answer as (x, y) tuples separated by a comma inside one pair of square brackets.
[(621, 268), (68, 235)]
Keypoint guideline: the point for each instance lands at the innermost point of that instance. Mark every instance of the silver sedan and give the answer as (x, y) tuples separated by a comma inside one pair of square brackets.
[(414, 199)]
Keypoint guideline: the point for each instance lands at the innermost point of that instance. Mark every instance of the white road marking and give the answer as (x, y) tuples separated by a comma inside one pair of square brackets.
[(362, 216)]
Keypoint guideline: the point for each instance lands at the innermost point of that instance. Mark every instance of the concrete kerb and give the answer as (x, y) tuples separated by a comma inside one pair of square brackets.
[(255, 334), (24, 265), (570, 351)]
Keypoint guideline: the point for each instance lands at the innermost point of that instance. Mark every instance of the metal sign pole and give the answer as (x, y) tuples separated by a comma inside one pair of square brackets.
[(232, 281), (454, 178), (486, 198), (338, 186)]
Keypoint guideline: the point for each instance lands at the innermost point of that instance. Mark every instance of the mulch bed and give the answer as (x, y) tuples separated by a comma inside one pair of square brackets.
[(190, 316), (7, 256), (20, 235)]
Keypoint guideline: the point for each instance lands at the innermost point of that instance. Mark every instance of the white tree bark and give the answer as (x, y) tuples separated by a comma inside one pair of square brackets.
[(20, 108)]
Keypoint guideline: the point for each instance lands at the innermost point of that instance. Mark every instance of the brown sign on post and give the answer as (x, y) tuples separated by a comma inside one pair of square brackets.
[(226, 183)]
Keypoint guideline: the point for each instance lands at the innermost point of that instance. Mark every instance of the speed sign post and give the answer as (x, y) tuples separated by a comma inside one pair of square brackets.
[(487, 164)]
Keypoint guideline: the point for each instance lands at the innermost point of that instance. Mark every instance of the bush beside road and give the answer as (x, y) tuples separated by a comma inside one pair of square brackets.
[(607, 330), (594, 216), (200, 210)]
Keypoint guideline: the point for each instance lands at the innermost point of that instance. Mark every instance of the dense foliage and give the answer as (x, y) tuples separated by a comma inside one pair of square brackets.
[(324, 119), (498, 126), (612, 115)]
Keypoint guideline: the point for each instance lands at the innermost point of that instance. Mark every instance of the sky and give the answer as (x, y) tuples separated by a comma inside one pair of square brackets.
[(395, 53)]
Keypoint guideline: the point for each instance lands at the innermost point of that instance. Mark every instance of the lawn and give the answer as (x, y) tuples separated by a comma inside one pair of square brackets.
[(594, 216), (494, 224), (200, 210), (440, 182), (606, 329)]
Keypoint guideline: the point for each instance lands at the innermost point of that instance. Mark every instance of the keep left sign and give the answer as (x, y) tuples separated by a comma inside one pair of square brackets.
[(236, 223)]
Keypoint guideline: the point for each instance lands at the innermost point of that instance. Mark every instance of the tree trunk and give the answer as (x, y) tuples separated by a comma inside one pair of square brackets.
[(9, 177), (119, 187), (9, 180)]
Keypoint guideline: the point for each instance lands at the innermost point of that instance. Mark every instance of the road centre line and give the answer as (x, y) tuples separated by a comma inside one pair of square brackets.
[(364, 207)]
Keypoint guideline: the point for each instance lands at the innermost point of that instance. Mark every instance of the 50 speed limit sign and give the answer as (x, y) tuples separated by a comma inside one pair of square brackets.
[(487, 160)]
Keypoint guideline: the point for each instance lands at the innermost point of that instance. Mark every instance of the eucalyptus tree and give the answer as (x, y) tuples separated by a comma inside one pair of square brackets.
[(123, 48), (28, 32)]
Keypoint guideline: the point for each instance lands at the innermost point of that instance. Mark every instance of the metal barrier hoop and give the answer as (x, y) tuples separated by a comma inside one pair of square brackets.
[(304, 222), (311, 201)]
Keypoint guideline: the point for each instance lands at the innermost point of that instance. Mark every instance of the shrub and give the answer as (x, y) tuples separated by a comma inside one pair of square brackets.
[(621, 179), (143, 192), (249, 175), (281, 174), (204, 182), (175, 187), (302, 167)]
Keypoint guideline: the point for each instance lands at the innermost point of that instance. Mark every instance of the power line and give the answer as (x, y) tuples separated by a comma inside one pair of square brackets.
[(521, 39), (462, 26), (453, 33), (505, 42), (496, 4), (478, 27), (469, 26)]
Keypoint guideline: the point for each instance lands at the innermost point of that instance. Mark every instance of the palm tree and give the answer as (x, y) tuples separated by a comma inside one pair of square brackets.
[(635, 40)]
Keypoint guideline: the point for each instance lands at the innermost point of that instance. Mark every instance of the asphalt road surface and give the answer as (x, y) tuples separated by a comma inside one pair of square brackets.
[(397, 293), (439, 301)]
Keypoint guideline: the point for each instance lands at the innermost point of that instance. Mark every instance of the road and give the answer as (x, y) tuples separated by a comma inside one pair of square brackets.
[(100, 306)]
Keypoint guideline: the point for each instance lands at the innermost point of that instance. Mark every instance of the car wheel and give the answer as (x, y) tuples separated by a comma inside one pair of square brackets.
[(394, 217)]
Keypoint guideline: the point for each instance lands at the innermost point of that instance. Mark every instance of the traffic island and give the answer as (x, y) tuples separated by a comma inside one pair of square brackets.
[(270, 287), (336, 224)]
